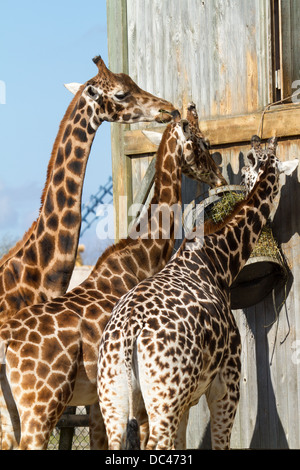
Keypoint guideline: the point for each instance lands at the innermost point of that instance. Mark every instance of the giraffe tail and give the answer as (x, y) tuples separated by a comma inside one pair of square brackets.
[(132, 435), (130, 332)]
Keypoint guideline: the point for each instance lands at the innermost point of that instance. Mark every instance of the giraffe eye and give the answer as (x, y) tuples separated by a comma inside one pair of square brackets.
[(92, 93), (121, 95)]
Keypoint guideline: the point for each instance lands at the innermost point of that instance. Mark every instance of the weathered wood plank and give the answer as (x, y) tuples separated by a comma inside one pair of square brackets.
[(73, 421), (282, 121), (145, 184), (212, 53)]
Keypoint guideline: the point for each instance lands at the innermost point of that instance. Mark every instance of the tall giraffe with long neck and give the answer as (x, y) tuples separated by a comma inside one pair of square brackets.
[(50, 350), (39, 267), (173, 337)]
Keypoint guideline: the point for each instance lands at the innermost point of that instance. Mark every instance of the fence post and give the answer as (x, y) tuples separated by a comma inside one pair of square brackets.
[(67, 433)]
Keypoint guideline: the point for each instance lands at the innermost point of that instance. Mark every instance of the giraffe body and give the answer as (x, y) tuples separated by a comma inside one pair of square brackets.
[(173, 337), (39, 267), (179, 328), (50, 350)]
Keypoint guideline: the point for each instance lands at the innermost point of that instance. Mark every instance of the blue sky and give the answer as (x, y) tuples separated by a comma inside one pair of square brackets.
[(43, 46)]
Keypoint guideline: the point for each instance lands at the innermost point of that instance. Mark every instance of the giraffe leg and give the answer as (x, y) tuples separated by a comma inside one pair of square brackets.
[(144, 434), (164, 437), (116, 433), (113, 399), (163, 419), (36, 428), (180, 441), (15, 426), (222, 415), (27, 419), (161, 436), (98, 437), (9, 416), (223, 398)]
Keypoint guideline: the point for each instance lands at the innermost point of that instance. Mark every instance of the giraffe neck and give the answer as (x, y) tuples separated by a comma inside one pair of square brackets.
[(225, 249), (135, 258), (39, 267), (158, 226)]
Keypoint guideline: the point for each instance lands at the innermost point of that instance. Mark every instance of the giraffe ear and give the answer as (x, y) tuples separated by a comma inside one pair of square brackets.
[(73, 87), (154, 137), (288, 167)]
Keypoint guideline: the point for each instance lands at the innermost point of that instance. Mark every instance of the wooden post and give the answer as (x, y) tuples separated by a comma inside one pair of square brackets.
[(118, 62), (67, 432)]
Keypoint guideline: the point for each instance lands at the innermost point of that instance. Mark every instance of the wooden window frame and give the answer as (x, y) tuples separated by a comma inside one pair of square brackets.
[(281, 48)]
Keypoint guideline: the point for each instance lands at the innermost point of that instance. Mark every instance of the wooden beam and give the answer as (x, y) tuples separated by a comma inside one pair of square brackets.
[(135, 142), (73, 421), (146, 184), (282, 121)]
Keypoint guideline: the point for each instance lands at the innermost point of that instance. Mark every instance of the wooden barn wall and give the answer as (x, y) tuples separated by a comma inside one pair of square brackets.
[(211, 52), (217, 54)]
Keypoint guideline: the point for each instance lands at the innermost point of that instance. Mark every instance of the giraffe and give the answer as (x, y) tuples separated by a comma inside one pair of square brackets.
[(256, 157), (39, 267), (49, 351), (173, 337)]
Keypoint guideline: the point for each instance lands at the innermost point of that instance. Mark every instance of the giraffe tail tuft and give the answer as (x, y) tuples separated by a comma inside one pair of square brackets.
[(132, 435)]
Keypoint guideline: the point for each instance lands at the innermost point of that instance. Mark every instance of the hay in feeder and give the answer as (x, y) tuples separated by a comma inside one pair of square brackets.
[(225, 205), (266, 245)]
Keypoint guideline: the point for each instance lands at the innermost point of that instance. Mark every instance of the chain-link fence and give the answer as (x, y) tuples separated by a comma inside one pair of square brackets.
[(72, 431)]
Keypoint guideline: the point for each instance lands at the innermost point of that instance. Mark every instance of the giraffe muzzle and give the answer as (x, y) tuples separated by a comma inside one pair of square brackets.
[(166, 116)]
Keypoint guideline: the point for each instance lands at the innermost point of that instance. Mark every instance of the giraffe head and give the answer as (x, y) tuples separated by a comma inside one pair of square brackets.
[(115, 97), (200, 164), (257, 158), (197, 162)]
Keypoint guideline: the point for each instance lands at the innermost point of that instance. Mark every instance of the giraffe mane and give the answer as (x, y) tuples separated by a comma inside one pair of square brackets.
[(158, 165), (123, 243), (27, 234), (57, 142)]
